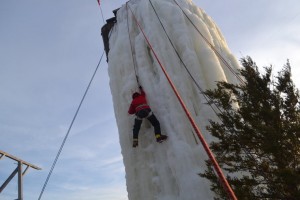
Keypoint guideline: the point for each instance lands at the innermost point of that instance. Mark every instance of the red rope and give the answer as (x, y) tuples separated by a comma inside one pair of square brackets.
[(192, 121)]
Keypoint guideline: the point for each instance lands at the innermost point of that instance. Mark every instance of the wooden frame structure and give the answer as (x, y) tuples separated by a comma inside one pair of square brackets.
[(18, 171)]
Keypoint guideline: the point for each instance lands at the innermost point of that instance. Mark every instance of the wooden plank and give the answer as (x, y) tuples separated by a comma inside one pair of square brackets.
[(19, 160), (9, 179), (20, 181)]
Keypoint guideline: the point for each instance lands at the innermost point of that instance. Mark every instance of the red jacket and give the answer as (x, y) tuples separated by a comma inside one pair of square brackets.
[(138, 103)]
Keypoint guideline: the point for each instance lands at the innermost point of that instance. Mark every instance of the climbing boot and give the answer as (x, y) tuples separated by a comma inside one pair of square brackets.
[(135, 143), (160, 138)]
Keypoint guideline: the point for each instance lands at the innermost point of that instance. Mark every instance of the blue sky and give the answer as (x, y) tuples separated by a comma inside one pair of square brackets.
[(49, 50)]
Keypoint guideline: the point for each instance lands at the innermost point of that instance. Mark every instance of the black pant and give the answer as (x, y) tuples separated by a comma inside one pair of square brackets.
[(138, 122)]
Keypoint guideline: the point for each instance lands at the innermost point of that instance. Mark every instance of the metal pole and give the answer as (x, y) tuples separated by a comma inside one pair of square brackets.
[(20, 181)]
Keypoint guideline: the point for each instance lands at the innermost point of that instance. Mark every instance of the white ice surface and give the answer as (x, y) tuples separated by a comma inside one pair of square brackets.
[(166, 171)]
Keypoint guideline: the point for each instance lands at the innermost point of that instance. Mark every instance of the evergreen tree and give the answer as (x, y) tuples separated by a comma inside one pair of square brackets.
[(258, 135)]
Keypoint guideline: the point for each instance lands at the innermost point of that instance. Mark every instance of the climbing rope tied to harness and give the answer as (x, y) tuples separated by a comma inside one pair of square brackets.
[(131, 48)]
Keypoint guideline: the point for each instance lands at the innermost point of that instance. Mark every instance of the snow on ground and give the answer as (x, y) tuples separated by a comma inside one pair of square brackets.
[(166, 171)]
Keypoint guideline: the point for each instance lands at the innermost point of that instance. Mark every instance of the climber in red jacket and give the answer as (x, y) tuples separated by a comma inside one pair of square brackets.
[(141, 109)]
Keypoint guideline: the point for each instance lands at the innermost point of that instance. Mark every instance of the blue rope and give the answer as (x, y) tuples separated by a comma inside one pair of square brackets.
[(70, 127)]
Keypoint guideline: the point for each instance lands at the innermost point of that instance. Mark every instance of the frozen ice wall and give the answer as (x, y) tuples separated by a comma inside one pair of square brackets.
[(166, 171)]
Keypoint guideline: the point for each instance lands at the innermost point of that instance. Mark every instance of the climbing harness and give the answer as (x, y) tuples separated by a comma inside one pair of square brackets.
[(215, 164)]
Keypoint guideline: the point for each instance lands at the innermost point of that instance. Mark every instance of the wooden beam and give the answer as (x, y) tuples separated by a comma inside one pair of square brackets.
[(19, 160), (9, 179), (20, 181)]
